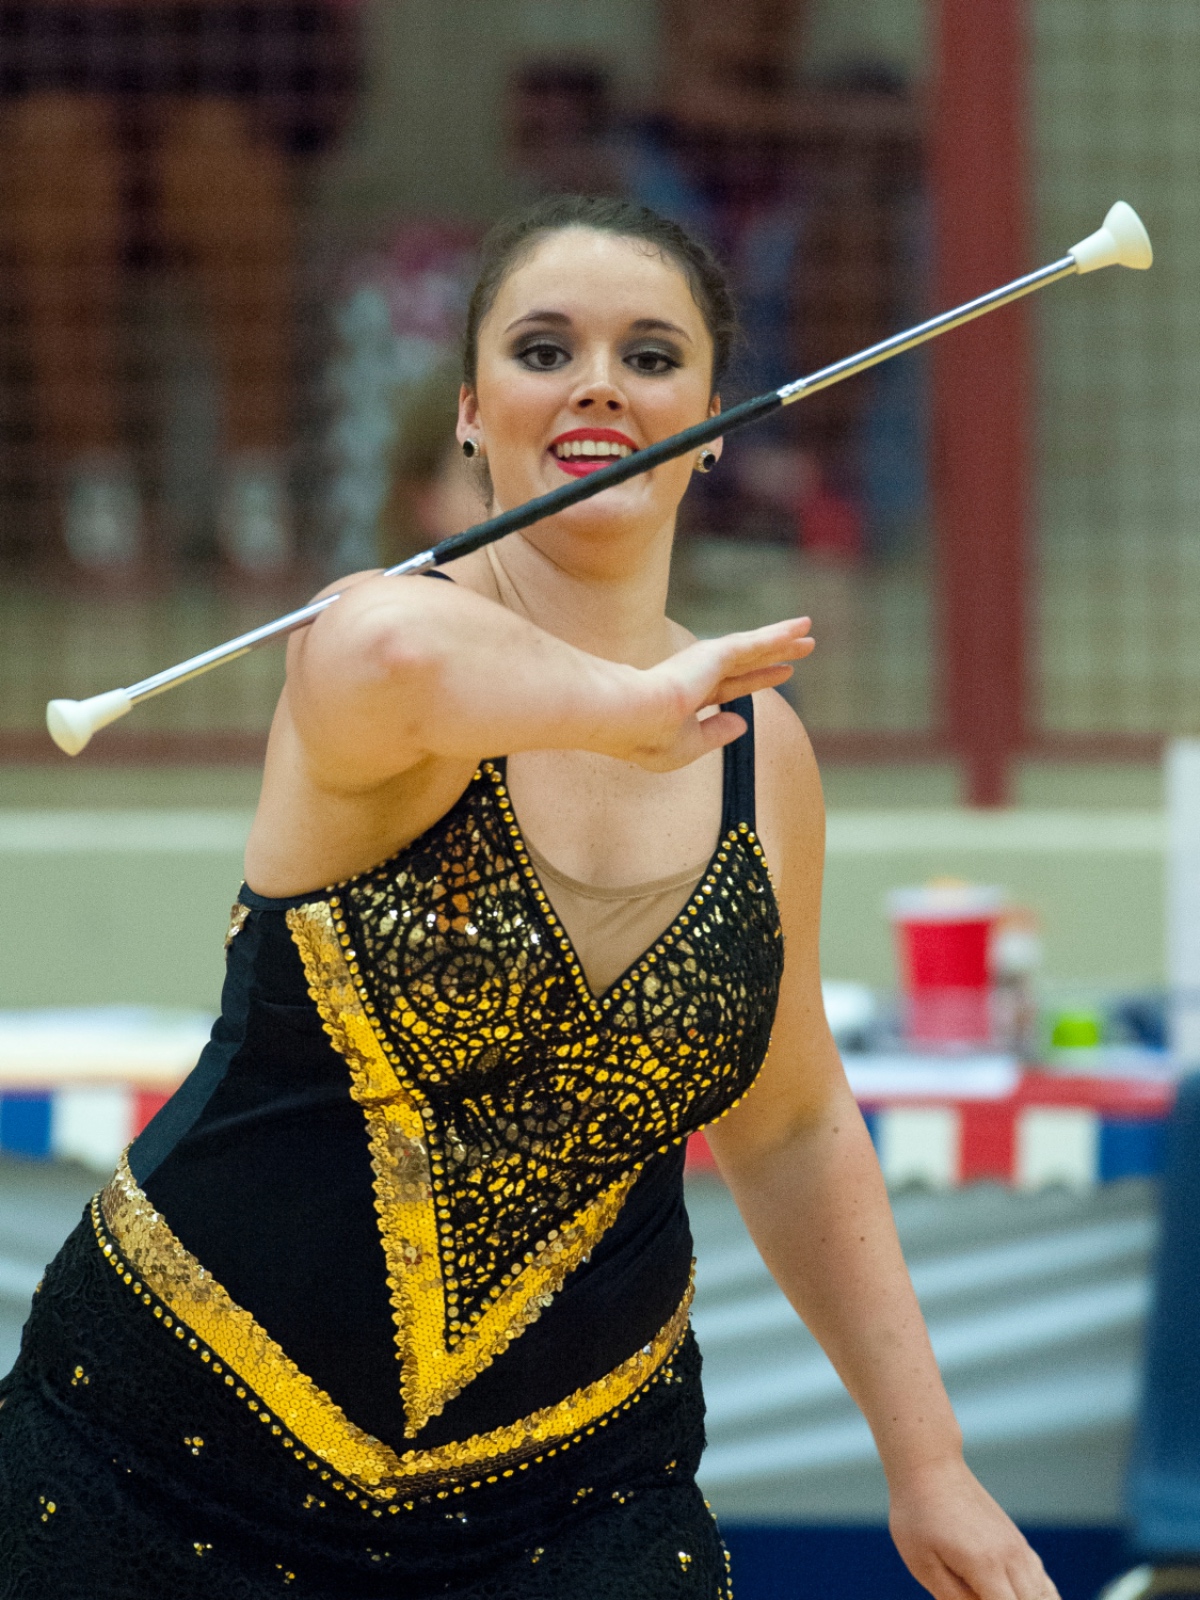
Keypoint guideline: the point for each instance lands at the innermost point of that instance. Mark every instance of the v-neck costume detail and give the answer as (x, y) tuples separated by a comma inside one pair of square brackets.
[(601, 997), (609, 928)]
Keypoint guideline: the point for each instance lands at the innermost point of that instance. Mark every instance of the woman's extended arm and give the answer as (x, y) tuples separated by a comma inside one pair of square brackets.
[(404, 669), (800, 1165)]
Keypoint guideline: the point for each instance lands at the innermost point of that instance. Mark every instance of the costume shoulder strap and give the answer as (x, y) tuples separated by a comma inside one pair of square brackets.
[(739, 770)]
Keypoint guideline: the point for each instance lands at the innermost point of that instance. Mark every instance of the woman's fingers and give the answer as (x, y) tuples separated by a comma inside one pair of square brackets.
[(723, 727), (986, 1577), (951, 1574), (960, 1544), (750, 682), (1029, 1578), (711, 672), (1006, 1569), (943, 1582), (695, 738), (999, 1569), (718, 669), (740, 653)]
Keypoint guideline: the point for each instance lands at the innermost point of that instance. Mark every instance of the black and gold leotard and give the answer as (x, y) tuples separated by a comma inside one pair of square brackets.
[(392, 1296)]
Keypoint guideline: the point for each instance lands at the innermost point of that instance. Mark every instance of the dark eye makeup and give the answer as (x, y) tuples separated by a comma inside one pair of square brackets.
[(542, 355), (650, 360), (549, 355)]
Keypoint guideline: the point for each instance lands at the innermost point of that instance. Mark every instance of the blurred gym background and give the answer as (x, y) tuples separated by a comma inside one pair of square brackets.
[(235, 245)]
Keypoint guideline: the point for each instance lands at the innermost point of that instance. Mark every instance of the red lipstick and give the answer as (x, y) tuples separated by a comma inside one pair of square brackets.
[(579, 465)]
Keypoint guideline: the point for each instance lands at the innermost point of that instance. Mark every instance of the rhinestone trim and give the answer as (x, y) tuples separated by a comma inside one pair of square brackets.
[(142, 1250)]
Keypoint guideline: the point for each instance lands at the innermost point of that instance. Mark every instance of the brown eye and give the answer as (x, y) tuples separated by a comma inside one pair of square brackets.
[(651, 362), (544, 356)]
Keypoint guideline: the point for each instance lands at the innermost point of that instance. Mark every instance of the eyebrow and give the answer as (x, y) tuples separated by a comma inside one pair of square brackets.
[(559, 319)]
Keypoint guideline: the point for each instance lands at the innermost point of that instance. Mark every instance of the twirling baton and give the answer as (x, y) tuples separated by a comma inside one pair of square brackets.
[(1122, 241)]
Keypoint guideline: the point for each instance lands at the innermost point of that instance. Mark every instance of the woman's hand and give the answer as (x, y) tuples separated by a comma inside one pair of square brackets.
[(957, 1541), (401, 670), (661, 728)]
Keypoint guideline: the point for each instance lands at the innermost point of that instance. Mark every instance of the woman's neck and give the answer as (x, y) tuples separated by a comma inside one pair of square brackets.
[(617, 612)]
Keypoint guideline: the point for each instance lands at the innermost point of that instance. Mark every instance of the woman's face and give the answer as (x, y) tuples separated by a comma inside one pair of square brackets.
[(594, 348)]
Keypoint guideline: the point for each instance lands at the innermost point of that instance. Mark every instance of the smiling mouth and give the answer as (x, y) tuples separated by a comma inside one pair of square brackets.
[(589, 449), (578, 457)]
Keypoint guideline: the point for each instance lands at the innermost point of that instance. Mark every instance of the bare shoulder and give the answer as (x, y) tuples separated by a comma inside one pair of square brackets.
[(350, 581), (783, 751), (790, 804), (341, 587), (362, 596)]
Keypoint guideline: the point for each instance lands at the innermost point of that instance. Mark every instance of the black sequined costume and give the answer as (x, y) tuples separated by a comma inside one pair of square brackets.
[(391, 1298)]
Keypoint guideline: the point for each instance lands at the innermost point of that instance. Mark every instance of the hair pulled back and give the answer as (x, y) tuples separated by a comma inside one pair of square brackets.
[(510, 243)]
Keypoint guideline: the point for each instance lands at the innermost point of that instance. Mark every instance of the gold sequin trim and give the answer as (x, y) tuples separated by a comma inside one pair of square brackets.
[(237, 921), (432, 1371), (189, 1302)]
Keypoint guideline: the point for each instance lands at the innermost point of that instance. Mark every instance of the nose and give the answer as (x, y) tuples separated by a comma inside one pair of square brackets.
[(611, 401), (597, 393)]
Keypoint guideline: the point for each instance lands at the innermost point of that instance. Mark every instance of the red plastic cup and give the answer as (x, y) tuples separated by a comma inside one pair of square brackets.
[(943, 937)]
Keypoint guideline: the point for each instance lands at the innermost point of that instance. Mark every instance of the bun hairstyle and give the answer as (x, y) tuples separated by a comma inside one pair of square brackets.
[(512, 241)]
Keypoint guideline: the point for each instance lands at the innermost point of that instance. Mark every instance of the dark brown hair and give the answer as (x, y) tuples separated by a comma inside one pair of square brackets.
[(512, 241)]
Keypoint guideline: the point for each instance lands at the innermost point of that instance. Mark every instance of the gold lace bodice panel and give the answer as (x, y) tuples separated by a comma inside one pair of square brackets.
[(529, 1105)]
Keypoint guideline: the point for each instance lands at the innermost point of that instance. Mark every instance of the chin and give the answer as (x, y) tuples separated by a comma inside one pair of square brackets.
[(603, 546), (625, 512), (600, 520)]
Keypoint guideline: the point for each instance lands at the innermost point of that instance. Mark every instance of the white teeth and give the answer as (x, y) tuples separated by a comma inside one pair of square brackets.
[(569, 448)]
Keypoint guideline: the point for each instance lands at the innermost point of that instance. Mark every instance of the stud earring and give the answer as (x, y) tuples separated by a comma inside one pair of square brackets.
[(706, 461), (471, 448)]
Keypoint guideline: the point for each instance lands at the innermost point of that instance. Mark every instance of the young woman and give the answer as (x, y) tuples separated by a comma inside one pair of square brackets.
[(392, 1298)]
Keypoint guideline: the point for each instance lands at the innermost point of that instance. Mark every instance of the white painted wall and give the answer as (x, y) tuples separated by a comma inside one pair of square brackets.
[(132, 906)]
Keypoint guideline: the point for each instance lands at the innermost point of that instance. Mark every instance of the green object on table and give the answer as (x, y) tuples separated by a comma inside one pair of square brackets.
[(1077, 1030)]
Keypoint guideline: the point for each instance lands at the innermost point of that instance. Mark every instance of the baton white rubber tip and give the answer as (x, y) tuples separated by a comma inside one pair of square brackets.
[(1121, 242), (73, 722)]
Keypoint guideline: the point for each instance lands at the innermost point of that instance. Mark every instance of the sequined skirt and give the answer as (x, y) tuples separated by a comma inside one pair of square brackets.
[(128, 1470)]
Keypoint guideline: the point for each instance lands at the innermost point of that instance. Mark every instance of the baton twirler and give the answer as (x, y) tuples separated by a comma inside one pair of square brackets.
[(1121, 241)]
